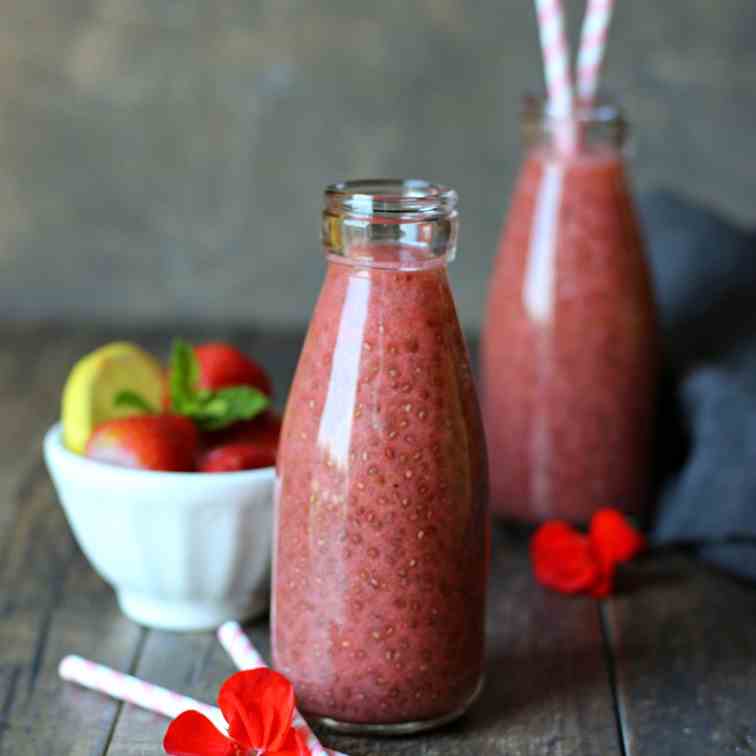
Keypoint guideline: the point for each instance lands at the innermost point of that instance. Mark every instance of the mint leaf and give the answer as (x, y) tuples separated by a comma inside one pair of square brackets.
[(210, 410), (229, 405), (132, 400), (184, 377)]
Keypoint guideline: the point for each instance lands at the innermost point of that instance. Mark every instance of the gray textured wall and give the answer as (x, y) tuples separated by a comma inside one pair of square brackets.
[(163, 159)]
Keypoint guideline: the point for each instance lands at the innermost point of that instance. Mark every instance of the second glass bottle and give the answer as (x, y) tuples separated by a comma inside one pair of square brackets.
[(570, 340)]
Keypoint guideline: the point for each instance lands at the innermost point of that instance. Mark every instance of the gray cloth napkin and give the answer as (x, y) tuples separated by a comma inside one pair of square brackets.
[(704, 270)]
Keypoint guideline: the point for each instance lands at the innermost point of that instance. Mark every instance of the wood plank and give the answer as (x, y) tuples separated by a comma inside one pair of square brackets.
[(547, 684), (33, 364), (24, 387), (51, 603), (685, 659), (193, 664)]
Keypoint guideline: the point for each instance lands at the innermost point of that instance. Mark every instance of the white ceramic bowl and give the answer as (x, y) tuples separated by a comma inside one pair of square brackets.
[(184, 551)]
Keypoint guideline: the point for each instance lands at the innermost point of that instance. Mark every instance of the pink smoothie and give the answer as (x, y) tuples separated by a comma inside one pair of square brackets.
[(380, 559), (569, 345)]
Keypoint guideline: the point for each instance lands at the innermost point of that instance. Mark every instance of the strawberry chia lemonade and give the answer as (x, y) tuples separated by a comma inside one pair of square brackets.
[(570, 342), (381, 522)]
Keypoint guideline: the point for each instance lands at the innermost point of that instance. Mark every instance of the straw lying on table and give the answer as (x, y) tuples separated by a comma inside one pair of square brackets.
[(133, 690), (151, 697), (239, 647), (245, 656)]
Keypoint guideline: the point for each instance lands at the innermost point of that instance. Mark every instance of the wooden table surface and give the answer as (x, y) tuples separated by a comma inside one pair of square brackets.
[(667, 666)]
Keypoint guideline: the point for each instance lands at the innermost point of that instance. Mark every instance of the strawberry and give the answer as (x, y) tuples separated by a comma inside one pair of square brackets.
[(263, 430), (242, 455), (222, 365), (146, 442)]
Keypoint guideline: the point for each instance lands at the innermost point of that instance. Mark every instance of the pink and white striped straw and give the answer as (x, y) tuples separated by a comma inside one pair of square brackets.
[(133, 690), (245, 656), (592, 45), (556, 56), (239, 647)]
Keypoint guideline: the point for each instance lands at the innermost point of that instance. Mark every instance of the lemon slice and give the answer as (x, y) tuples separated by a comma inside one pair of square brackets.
[(95, 381)]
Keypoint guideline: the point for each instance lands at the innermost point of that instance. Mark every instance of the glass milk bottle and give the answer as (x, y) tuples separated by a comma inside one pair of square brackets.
[(569, 345), (381, 506)]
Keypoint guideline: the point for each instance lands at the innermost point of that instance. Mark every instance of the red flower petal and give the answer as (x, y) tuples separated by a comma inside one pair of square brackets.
[(294, 745), (550, 534), (613, 538), (258, 705), (193, 734), (563, 559)]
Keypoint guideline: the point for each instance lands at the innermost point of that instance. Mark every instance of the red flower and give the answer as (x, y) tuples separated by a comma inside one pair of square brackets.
[(614, 538), (258, 705), (562, 558), (565, 560)]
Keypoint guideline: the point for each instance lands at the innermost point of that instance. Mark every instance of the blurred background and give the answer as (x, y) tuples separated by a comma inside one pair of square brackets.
[(163, 160)]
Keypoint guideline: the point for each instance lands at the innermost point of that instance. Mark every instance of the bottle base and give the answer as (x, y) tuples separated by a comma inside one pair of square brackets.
[(398, 728)]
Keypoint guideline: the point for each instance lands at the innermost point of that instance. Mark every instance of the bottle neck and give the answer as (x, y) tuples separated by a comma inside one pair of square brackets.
[(596, 130), (391, 256), (395, 224)]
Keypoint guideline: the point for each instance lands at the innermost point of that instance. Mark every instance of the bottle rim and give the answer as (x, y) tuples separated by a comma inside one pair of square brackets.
[(604, 110), (389, 197), (600, 123)]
